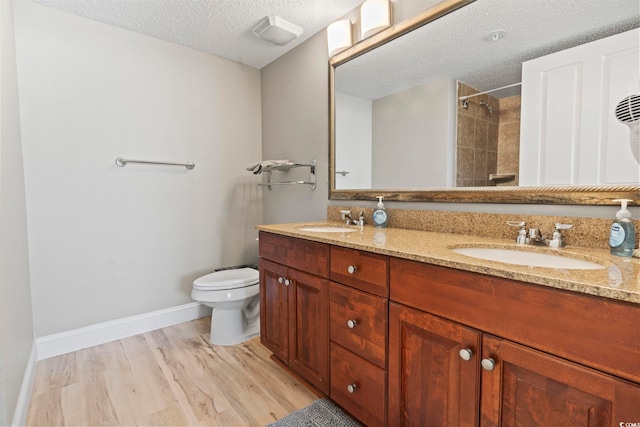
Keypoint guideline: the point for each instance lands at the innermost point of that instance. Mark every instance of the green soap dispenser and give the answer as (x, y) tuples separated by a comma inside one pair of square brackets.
[(380, 217), (622, 236)]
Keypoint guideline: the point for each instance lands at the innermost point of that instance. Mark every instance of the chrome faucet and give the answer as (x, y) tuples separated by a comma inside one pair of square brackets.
[(535, 237), (350, 220)]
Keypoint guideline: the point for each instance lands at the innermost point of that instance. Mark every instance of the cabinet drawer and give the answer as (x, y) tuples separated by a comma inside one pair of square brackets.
[(367, 401), (305, 255), (369, 272), (359, 322)]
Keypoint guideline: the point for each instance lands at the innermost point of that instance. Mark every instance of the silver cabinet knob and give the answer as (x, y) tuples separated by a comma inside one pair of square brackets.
[(351, 388), (466, 353), (352, 269), (351, 323), (488, 364), (287, 282), (280, 280)]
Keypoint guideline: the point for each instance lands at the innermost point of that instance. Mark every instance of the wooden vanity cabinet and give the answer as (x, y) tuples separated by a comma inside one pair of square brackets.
[(294, 305), (467, 349), (398, 342)]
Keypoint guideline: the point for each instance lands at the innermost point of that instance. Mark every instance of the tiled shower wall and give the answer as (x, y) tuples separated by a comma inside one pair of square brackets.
[(509, 139), (488, 138)]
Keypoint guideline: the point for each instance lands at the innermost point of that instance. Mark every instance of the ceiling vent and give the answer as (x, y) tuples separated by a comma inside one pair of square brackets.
[(276, 30)]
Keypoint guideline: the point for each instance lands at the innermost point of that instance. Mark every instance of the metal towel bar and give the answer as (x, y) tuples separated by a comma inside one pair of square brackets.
[(284, 167), (123, 162)]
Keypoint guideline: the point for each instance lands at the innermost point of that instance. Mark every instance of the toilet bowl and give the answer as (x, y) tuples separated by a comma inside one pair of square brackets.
[(234, 298)]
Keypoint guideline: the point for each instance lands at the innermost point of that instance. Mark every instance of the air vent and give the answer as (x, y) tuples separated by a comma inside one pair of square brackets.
[(628, 110), (276, 30)]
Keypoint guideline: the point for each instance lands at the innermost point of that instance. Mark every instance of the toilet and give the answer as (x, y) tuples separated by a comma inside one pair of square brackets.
[(234, 297)]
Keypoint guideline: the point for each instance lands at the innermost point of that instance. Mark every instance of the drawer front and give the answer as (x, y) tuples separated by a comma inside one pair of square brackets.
[(310, 257), (359, 322), (369, 272), (367, 400)]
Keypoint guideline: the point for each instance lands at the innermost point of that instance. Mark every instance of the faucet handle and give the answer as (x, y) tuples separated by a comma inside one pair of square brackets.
[(557, 241), (517, 223), (345, 213), (522, 233), (560, 226)]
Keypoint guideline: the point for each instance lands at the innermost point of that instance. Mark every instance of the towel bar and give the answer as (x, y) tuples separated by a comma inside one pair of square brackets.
[(123, 162)]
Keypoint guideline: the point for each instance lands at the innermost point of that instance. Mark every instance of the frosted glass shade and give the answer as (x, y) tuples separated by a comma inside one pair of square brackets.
[(375, 16), (339, 36)]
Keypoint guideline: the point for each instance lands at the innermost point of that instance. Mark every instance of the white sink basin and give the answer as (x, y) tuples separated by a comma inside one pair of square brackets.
[(531, 259), (327, 229)]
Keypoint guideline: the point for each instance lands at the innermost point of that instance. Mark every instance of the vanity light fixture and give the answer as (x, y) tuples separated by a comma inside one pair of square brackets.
[(339, 36), (375, 16)]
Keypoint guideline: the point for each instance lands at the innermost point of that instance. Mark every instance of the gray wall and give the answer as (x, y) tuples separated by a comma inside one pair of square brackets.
[(295, 126), (414, 137), (107, 242), (16, 322)]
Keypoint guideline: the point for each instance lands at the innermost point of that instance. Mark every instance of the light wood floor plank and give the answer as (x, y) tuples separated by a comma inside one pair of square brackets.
[(169, 377)]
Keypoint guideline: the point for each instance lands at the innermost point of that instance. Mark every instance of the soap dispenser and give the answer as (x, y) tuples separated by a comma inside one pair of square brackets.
[(380, 217), (622, 236)]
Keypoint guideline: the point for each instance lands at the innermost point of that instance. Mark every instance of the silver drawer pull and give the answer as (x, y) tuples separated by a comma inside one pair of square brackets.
[(466, 353), (352, 269), (280, 280), (351, 323), (287, 282), (488, 364), (351, 388)]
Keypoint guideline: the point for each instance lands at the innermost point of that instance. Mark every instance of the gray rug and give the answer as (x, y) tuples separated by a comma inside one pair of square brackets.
[(320, 413)]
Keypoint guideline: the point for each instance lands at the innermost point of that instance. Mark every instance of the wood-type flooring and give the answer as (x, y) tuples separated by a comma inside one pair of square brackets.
[(171, 376)]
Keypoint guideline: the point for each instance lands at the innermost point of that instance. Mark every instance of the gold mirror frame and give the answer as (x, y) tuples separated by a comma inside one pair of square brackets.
[(563, 195)]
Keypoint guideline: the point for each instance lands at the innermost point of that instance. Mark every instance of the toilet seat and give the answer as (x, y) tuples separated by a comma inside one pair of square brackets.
[(227, 279)]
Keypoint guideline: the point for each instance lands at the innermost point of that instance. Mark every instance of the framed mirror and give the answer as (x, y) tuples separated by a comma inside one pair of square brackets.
[(488, 101)]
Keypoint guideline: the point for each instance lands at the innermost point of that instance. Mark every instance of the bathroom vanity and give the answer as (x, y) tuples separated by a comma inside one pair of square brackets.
[(398, 329)]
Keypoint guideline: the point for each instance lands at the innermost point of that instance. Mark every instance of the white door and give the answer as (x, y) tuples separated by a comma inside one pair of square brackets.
[(569, 132)]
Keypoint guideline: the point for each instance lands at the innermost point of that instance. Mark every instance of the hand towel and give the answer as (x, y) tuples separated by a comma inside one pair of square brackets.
[(258, 167)]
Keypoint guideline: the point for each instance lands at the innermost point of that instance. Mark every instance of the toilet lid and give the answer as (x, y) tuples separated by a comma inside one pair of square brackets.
[(227, 279)]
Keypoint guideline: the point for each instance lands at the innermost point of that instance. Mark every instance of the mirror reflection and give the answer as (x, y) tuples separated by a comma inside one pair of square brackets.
[(493, 94)]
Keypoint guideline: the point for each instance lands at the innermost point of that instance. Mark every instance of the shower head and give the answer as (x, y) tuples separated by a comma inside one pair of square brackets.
[(628, 112)]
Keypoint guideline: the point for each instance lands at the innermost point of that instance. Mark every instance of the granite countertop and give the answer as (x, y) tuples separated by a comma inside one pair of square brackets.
[(619, 279)]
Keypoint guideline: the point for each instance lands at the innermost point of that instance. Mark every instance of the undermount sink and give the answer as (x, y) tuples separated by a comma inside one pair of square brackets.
[(530, 259), (326, 229)]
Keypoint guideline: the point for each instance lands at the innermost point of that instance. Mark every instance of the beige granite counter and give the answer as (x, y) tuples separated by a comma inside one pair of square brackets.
[(619, 279)]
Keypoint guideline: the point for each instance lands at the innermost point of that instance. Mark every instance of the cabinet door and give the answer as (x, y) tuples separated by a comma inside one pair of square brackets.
[(429, 383), (310, 336), (274, 309), (530, 388)]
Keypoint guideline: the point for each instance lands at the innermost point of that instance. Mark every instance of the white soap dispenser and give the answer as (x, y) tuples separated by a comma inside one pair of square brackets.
[(380, 217), (622, 236)]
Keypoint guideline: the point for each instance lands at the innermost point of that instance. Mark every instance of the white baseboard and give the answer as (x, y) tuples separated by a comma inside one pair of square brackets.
[(24, 398), (104, 332)]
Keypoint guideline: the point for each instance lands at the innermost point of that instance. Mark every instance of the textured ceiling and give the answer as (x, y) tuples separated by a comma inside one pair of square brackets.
[(221, 27), (458, 45)]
